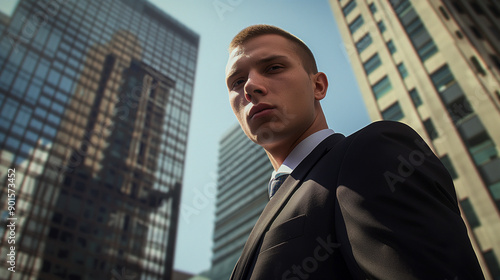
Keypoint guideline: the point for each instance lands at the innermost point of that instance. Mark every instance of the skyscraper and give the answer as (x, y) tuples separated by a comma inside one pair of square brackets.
[(95, 100), (435, 65), (243, 174)]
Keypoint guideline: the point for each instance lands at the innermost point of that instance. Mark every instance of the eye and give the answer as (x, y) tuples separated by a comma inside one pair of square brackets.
[(274, 68), (237, 83)]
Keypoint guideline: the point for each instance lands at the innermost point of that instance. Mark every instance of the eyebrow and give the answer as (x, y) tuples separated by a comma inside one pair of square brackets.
[(233, 72)]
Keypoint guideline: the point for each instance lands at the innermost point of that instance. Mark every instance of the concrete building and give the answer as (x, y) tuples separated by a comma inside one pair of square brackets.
[(243, 174), (95, 101), (435, 65)]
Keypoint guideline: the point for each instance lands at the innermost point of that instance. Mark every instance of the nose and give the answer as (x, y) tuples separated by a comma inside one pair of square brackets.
[(254, 88)]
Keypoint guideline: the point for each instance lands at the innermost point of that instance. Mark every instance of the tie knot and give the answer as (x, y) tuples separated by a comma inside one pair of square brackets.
[(276, 182)]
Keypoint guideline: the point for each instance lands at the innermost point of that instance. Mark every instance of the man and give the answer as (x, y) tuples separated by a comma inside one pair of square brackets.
[(375, 205)]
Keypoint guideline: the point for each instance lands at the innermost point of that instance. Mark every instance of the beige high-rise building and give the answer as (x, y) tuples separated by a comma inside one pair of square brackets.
[(435, 65)]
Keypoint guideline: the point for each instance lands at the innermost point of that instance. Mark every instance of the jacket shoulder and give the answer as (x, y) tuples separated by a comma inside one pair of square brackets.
[(380, 127)]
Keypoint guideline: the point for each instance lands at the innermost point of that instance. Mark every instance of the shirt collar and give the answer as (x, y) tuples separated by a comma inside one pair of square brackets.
[(301, 151)]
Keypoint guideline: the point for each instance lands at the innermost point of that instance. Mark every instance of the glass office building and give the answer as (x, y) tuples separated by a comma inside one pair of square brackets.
[(95, 100), (435, 65), (244, 171)]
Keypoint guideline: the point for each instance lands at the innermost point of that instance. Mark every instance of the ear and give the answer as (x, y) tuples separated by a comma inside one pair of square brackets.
[(320, 83)]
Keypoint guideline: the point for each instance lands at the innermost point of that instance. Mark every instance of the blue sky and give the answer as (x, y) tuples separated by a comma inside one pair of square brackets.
[(217, 21)]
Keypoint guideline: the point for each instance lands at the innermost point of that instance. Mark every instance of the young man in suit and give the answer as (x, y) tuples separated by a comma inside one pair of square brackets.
[(375, 205)]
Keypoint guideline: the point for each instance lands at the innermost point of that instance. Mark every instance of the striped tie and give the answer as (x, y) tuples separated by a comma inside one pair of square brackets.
[(276, 183)]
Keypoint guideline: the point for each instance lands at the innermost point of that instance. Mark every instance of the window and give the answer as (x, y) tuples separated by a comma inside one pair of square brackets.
[(459, 109), (66, 84), (372, 63), (495, 60), (484, 151), (426, 50), (30, 62), (415, 97), (42, 69), (54, 77), (20, 84), (478, 66), (470, 214), (492, 263), (7, 77), (400, 6), (414, 27), (402, 70), (442, 78), (8, 112), (430, 129), (364, 42), (349, 7), (53, 41), (356, 24), (391, 47), (495, 31), (444, 13), (449, 166), (382, 87), (41, 36), (458, 6), (494, 10), (476, 32), (393, 113), (381, 26), (479, 143), (477, 8), (373, 8)]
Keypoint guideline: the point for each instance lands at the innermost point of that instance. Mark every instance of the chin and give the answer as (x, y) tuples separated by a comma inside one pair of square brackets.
[(268, 138), (266, 133)]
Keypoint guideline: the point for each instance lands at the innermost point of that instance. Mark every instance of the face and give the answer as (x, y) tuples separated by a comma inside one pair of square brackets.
[(270, 92)]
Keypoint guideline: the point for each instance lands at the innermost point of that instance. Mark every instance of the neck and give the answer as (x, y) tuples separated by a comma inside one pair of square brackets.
[(280, 151)]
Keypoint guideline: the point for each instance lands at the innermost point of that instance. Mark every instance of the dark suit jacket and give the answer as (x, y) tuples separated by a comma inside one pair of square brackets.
[(375, 205)]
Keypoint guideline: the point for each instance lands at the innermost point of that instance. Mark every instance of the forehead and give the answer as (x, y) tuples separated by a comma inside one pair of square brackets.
[(259, 48)]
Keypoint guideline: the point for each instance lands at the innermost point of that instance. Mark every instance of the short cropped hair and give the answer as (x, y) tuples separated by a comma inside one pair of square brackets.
[(254, 31)]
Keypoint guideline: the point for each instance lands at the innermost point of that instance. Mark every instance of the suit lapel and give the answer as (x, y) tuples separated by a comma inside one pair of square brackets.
[(278, 202)]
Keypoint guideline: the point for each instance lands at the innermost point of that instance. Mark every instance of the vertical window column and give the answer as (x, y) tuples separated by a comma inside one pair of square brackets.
[(420, 38), (481, 148)]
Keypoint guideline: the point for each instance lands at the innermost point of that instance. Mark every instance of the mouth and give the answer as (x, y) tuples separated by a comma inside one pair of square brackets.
[(259, 110)]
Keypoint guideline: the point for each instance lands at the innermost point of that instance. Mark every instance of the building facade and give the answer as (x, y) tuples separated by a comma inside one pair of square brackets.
[(244, 171), (435, 65), (95, 100)]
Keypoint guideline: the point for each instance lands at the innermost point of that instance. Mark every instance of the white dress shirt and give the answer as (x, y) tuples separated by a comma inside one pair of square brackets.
[(300, 152)]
